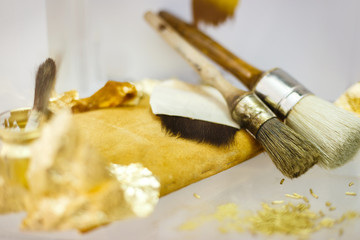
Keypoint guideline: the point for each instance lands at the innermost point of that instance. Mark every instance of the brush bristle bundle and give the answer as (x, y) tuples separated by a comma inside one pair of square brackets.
[(197, 130), (44, 83), (334, 130), (290, 152)]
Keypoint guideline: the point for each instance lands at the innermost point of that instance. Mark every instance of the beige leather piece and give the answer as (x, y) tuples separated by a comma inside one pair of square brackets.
[(127, 135)]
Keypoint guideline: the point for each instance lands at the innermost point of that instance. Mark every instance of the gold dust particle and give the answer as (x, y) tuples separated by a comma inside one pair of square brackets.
[(350, 193), (294, 196), (197, 195), (327, 222), (277, 202), (332, 208), (328, 204), (348, 216), (282, 181), (297, 196), (193, 224), (341, 231), (351, 183), (313, 194)]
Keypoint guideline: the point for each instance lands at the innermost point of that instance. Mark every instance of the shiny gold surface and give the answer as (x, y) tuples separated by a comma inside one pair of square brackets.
[(113, 94)]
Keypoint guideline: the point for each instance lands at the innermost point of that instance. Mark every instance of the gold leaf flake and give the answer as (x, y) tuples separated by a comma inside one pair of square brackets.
[(313, 194), (350, 193), (294, 196), (196, 195)]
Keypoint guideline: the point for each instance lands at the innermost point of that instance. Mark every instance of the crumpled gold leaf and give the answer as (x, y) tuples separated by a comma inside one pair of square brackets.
[(64, 100), (138, 184), (350, 100), (71, 186), (113, 94)]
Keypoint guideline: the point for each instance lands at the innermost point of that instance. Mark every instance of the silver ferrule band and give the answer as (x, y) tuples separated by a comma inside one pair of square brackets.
[(280, 91), (251, 113)]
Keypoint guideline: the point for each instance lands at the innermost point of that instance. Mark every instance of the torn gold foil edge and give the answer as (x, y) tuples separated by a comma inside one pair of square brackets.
[(72, 187)]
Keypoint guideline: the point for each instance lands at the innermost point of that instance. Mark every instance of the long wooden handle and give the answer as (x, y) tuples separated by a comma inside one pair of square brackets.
[(245, 72), (208, 72)]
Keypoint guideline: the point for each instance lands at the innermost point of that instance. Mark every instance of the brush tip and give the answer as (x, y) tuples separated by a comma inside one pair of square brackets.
[(44, 83), (291, 153), (334, 130)]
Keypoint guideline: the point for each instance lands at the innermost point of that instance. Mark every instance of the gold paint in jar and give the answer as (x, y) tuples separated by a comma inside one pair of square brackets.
[(15, 154)]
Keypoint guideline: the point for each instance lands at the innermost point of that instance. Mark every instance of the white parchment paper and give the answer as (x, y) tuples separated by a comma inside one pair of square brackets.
[(176, 98)]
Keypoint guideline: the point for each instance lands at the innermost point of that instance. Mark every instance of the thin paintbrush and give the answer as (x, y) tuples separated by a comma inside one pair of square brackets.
[(44, 83), (335, 131), (291, 154)]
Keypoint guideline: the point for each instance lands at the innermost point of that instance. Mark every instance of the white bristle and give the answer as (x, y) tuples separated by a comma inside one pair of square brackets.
[(290, 152), (334, 130)]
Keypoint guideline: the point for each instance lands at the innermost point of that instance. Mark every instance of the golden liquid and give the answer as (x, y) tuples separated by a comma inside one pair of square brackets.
[(15, 148), (14, 171)]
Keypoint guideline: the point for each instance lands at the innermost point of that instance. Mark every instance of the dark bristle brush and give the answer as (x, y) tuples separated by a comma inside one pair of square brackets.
[(292, 154), (335, 131), (198, 130), (194, 112), (44, 83)]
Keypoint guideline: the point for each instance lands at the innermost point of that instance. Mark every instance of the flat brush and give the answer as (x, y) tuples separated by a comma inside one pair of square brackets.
[(44, 83), (292, 154), (335, 131), (198, 130), (194, 112)]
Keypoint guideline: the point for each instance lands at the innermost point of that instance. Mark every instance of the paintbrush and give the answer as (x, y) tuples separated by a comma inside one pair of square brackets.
[(44, 84), (335, 131), (292, 154), (194, 112)]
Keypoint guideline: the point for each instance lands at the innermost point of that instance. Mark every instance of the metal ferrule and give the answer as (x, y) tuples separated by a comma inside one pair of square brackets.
[(280, 91), (251, 113)]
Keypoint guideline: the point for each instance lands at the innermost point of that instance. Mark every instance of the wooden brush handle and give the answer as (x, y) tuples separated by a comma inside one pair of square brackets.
[(208, 72), (245, 72)]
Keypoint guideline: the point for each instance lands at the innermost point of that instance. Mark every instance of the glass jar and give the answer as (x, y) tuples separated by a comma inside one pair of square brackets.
[(15, 152), (16, 142)]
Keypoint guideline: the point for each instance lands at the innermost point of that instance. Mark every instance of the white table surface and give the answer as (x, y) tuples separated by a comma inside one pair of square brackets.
[(248, 185), (318, 42)]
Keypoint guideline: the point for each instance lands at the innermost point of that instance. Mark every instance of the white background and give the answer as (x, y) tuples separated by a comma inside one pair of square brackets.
[(318, 42)]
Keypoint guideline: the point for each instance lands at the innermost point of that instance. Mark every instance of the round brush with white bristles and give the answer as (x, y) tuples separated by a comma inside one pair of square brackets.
[(335, 131), (292, 154)]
